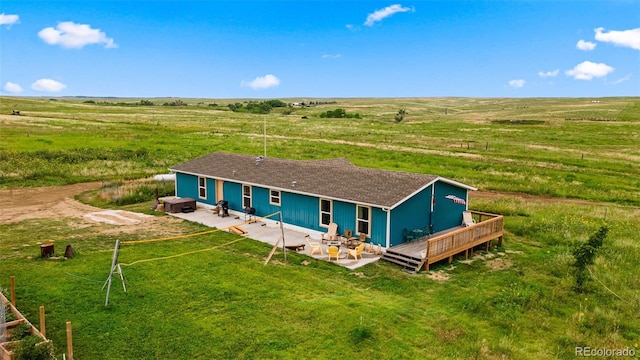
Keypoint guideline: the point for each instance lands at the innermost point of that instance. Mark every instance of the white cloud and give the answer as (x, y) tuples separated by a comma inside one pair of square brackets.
[(552, 73), (71, 35), (349, 26), (331, 56), (382, 14), (9, 19), (516, 84), (48, 85), (586, 45), (587, 70), (262, 82), (626, 38), (12, 88)]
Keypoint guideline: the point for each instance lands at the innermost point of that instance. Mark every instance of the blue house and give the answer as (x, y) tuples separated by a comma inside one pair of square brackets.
[(386, 206)]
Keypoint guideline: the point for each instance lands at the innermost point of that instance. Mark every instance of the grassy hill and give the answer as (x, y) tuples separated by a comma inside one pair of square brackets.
[(571, 165)]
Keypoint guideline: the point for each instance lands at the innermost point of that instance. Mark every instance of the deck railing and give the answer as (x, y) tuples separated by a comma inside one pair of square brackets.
[(487, 227)]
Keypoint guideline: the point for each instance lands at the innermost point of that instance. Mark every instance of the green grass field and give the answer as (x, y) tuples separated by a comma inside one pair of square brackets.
[(574, 165)]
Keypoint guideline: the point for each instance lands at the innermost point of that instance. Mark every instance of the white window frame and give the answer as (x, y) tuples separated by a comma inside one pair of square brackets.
[(367, 221), (244, 196), (272, 197), (321, 212), (202, 187)]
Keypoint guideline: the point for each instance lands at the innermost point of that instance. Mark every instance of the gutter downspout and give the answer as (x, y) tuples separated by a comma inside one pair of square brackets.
[(388, 232), (175, 186), (433, 200), (466, 204)]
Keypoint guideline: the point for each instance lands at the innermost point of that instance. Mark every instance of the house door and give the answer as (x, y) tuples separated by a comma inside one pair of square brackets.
[(219, 193)]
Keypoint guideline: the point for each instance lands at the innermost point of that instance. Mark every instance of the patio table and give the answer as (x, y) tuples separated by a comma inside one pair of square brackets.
[(296, 247)]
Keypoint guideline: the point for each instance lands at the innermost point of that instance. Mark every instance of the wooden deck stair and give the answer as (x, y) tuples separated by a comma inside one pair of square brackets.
[(409, 263)]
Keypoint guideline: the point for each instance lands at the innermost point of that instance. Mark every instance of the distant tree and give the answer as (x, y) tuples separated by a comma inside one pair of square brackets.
[(177, 102), (146, 103), (339, 114), (400, 115), (237, 107), (258, 107), (276, 103)]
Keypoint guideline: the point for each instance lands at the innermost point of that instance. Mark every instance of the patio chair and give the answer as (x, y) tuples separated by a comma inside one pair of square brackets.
[(332, 233), (467, 219), (362, 239), (347, 237), (333, 252), (314, 246), (356, 252)]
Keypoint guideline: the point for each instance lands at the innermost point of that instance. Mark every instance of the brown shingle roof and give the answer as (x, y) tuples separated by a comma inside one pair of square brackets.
[(332, 178)]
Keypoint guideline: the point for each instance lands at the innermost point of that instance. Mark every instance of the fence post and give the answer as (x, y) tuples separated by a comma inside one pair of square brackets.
[(69, 341), (43, 330), (13, 290)]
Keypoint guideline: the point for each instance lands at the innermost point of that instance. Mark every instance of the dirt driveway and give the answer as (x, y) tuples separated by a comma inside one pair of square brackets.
[(18, 204)]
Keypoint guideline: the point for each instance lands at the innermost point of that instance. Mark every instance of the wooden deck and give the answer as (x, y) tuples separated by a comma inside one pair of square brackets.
[(445, 244)]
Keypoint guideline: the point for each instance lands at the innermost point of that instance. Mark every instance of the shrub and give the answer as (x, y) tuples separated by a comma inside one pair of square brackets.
[(585, 255), (33, 348), (22, 331)]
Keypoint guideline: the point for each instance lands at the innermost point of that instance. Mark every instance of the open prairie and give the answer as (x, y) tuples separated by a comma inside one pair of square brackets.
[(558, 169)]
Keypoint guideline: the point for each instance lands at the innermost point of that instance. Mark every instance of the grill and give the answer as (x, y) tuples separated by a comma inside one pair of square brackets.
[(224, 206), (250, 212)]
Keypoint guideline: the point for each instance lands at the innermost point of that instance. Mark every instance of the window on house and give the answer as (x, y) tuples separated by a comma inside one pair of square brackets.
[(202, 187), (325, 212), (246, 196), (363, 220), (274, 198)]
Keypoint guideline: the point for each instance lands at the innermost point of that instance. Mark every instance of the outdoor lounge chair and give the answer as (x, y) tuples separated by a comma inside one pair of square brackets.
[(363, 238), (333, 252), (356, 252), (347, 238), (314, 246), (467, 219), (332, 233)]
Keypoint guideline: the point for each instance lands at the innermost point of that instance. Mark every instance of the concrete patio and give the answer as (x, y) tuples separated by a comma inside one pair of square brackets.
[(269, 231)]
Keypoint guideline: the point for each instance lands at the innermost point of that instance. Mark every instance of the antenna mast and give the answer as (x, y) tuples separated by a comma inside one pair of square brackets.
[(265, 136)]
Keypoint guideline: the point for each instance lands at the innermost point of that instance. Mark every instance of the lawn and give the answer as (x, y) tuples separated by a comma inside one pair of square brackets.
[(564, 167)]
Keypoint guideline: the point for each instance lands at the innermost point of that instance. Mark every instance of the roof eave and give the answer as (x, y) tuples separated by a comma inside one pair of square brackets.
[(455, 183), (239, 181)]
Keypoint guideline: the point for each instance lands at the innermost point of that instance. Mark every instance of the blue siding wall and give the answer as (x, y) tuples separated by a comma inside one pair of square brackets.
[(447, 214), (344, 214), (187, 186), (412, 214), (300, 210), (378, 226), (233, 194), (260, 201), (211, 192)]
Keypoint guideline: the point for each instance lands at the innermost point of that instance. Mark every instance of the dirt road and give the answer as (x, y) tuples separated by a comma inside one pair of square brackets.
[(17, 204)]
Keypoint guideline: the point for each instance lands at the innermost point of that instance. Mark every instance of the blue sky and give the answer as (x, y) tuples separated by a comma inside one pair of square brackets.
[(279, 49)]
